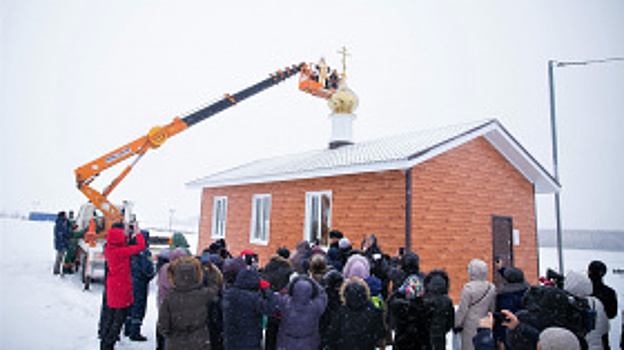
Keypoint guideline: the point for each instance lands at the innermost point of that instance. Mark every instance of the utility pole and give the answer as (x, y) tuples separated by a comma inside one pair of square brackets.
[(555, 157), (552, 64), (171, 212)]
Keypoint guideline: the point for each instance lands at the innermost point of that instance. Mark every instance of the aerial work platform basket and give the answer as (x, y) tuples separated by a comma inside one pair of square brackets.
[(319, 80)]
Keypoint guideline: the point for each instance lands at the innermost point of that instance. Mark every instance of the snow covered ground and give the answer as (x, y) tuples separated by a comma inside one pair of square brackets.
[(41, 311)]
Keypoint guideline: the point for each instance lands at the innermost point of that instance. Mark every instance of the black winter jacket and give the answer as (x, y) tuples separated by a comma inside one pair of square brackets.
[(544, 306), (357, 325), (277, 272), (438, 309)]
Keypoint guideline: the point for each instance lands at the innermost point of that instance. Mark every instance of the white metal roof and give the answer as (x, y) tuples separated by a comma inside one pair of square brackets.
[(389, 153)]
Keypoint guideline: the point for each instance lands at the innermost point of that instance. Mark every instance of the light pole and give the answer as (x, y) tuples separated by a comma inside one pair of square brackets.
[(552, 64), (171, 212)]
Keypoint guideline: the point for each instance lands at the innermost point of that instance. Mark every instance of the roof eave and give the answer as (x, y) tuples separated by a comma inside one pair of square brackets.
[(319, 173)]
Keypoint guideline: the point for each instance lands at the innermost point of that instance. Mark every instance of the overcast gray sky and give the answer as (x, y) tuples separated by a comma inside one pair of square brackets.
[(79, 79)]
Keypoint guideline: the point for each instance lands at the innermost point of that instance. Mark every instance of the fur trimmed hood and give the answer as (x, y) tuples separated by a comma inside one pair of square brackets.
[(355, 293), (185, 273)]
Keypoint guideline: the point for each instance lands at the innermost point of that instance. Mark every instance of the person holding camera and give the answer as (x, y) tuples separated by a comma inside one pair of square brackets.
[(142, 269), (119, 294), (551, 338), (244, 305), (509, 297)]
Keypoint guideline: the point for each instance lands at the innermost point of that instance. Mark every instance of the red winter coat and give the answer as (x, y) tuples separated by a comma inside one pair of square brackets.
[(119, 278)]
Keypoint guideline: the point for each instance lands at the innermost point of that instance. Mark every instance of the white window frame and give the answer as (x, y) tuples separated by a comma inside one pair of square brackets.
[(310, 212), (219, 216), (261, 238)]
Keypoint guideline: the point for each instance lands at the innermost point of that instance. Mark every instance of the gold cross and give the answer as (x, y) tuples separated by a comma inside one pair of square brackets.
[(344, 54)]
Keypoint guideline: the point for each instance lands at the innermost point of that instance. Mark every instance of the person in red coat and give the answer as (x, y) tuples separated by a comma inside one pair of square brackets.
[(118, 281)]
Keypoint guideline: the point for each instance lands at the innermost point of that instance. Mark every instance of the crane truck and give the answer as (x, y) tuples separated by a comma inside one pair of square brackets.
[(99, 214)]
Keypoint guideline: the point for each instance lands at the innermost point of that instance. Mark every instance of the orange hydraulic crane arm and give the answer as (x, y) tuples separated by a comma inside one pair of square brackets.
[(155, 138), (89, 172)]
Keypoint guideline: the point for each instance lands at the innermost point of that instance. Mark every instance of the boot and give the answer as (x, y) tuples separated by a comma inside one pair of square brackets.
[(138, 337), (106, 346)]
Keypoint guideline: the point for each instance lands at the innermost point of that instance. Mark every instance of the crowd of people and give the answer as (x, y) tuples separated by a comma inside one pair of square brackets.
[(341, 297)]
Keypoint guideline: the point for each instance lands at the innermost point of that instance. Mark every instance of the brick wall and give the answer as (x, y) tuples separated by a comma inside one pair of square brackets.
[(362, 205), (454, 197)]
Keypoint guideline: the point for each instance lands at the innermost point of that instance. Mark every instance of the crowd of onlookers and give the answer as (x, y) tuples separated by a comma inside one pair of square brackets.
[(341, 297)]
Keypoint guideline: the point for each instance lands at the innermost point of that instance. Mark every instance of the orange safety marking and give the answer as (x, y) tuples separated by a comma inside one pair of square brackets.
[(229, 97)]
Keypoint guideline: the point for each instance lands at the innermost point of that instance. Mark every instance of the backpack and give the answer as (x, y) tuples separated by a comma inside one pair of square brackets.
[(582, 317), (413, 287)]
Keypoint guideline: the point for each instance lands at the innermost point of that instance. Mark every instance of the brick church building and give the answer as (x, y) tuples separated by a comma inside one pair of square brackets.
[(450, 194)]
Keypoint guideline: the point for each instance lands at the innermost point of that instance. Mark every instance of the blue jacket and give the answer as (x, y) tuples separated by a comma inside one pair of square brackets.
[(142, 265), (483, 340), (301, 310), (243, 306), (62, 233)]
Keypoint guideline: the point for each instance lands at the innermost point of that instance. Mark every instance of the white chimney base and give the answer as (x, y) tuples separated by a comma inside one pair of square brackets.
[(342, 130)]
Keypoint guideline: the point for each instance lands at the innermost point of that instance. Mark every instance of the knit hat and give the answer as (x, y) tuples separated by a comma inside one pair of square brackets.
[(555, 338), (596, 270), (231, 268), (283, 252), (179, 241), (374, 284), (513, 275), (335, 234), (578, 284), (344, 243), (316, 250), (177, 253), (247, 252), (333, 279)]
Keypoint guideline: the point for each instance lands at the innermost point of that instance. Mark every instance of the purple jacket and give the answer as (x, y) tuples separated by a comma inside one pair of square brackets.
[(301, 310), (164, 284)]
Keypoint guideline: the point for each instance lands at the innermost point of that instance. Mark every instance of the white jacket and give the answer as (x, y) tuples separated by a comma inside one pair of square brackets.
[(594, 338)]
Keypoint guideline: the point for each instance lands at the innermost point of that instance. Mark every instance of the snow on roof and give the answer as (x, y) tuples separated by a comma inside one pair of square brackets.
[(389, 153)]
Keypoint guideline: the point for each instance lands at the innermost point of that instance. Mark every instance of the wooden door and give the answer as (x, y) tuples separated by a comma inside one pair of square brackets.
[(502, 244)]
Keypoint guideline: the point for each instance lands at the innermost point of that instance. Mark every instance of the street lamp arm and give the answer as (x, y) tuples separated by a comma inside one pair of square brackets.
[(584, 63)]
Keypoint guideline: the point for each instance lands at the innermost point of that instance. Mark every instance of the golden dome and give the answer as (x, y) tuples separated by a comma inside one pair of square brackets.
[(344, 100)]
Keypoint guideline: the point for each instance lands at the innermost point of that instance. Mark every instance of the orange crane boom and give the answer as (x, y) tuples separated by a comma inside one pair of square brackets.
[(88, 172)]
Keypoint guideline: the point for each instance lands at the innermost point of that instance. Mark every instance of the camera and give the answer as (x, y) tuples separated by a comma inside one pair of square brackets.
[(251, 259), (499, 317), (555, 277)]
